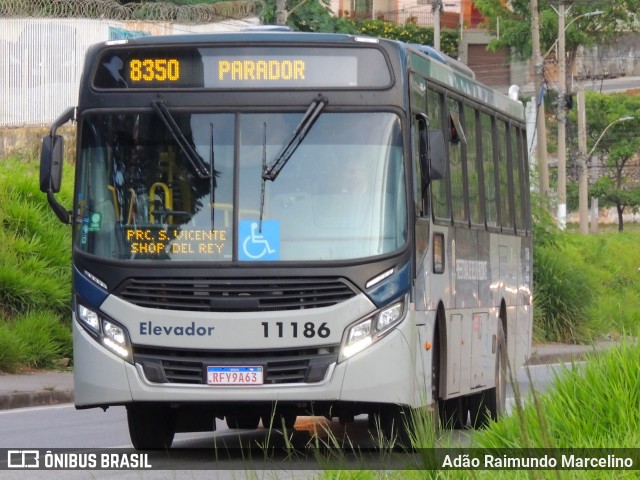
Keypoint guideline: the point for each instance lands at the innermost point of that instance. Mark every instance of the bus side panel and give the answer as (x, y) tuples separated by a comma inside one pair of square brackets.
[(441, 286), (508, 254), (486, 299), (525, 309), (425, 321)]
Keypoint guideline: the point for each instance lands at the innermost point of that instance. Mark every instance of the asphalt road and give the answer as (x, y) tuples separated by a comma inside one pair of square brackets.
[(62, 426)]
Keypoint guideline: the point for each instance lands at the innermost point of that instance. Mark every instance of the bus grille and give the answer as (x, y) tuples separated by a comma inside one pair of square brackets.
[(235, 295), (279, 367)]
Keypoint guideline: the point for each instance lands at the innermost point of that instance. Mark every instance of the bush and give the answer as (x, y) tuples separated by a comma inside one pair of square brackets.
[(42, 339), (560, 304), (10, 354)]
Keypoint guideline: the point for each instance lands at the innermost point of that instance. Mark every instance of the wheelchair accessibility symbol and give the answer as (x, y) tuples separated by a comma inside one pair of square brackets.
[(256, 245)]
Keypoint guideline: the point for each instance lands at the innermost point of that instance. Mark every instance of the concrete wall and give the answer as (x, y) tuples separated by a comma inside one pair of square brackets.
[(617, 59), (620, 58), (27, 141)]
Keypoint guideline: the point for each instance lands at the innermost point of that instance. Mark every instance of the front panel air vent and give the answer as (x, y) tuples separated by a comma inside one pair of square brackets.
[(280, 366), (235, 295)]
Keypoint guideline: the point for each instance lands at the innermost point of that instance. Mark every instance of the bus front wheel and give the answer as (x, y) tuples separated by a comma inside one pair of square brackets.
[(395, 423), (151, 426)]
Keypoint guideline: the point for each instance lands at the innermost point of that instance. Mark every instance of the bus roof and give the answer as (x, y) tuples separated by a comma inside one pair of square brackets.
[(426, 63)]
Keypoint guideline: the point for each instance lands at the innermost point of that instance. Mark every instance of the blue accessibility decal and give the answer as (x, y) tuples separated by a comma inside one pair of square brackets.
[(259, 241)]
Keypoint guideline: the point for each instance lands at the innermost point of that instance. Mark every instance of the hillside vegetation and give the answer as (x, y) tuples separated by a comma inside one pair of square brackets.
[(586, 287), (35, 271)]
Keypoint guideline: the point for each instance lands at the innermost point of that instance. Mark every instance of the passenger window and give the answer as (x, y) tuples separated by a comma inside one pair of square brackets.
[(489, 170), (473, 173)]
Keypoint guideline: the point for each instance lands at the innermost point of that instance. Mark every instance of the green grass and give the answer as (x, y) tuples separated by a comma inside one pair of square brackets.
[(35, 270), (560, 303), (597, 407), (590, 406), (587, 287)]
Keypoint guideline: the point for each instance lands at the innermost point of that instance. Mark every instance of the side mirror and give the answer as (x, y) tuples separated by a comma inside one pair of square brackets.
[(437, 156), (51, 163)]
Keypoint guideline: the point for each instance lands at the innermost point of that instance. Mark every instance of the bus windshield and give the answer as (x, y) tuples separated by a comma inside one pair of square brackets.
[(141, 196)]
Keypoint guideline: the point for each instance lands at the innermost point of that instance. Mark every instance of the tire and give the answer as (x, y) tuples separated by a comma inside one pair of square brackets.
[(453, 413), (491, 403), (278, 421), (246, 422), (151, 426), (396, 426), (435, 379)]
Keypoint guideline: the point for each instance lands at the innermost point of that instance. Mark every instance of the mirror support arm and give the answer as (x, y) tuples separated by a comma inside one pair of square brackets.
[(62, 213)]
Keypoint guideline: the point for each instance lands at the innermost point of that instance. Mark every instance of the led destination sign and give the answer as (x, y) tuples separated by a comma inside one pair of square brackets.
[(243, 68), (280, 71)]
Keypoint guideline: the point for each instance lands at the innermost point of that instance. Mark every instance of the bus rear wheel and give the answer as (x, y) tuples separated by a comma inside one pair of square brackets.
[(453, 413), (151, 426)]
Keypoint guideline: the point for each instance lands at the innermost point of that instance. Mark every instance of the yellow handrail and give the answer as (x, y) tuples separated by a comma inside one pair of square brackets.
[(132, 203), (168, 200), (115, 201)]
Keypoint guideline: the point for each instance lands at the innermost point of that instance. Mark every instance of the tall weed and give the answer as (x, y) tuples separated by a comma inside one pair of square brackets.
[(561, 293), (11, 356)]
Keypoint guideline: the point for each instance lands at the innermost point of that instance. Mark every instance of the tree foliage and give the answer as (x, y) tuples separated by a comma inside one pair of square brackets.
[(617, 149), (317, 16), (513, 21)]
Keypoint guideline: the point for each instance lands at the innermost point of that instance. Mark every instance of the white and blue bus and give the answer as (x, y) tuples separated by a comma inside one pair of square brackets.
[(269, 225)]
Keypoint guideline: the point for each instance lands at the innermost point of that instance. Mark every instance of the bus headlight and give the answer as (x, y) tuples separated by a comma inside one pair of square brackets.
[(110, 334), (368, 331), (89, 318), (389, 317), (114, 338)]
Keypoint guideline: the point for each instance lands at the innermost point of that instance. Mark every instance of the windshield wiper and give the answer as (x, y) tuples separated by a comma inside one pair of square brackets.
[(160, 106), (271, 171)]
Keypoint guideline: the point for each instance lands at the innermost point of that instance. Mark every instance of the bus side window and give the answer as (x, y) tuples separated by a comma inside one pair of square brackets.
[(473, 168), (517, 179), (489, 170), (506, 217), (440, 191), (456, 150)]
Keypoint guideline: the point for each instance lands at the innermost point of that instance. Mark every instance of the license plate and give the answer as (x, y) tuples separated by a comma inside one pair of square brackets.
[(234, 376)]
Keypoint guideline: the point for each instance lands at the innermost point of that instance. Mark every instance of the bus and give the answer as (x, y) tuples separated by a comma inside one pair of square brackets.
[(273, 225)]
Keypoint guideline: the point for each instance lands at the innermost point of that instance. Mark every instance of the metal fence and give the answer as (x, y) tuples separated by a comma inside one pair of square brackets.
[(41, 60)]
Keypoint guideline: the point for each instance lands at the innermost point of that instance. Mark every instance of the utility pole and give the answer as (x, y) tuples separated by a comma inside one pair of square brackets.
[(595, 209), (562, 131), (436, 6), (541, 127), (583, 182)]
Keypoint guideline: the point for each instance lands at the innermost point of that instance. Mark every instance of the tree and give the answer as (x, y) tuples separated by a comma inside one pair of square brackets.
[(316, 16), (617, 148), (514, 23)]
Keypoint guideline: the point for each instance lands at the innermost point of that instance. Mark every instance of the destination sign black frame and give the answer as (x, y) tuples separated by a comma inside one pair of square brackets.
[(261, 67)]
